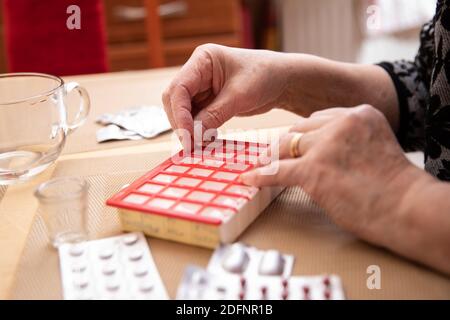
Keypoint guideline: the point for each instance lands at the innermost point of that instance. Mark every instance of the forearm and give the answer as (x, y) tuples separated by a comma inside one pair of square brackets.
[(420, 228), (317, 83)]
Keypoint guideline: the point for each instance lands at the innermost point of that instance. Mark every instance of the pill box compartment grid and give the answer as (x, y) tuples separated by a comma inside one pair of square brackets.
[(172, 188)]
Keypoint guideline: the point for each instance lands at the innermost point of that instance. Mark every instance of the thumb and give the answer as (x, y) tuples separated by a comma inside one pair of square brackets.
[(278, 173)]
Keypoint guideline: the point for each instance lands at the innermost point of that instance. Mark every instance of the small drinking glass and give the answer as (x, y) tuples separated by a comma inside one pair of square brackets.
[(63, 207)]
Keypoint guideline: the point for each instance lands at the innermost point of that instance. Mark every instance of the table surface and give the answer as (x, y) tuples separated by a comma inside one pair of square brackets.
[(109, 92)]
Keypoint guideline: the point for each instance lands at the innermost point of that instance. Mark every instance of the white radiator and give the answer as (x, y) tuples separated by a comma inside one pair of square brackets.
[(328, 28)]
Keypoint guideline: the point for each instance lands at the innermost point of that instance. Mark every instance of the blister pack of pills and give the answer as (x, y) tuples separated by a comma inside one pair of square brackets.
[(199, 284), (119, 267), (247, 261)]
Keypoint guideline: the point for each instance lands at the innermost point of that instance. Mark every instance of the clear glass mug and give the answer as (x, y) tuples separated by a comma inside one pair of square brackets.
[(34, 122)]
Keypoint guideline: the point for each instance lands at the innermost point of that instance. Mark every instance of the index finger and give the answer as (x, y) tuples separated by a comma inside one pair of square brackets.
[(194, 77)]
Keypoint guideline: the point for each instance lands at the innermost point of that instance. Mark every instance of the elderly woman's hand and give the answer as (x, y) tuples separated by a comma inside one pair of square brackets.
[(220, 82), (351, 165)]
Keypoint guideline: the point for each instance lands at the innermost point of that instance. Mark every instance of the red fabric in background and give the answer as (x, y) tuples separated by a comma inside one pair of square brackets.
[(38, 40)]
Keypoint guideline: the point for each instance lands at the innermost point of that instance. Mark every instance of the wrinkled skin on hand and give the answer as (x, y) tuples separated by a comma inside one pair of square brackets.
[(350, 164), (219, 82)]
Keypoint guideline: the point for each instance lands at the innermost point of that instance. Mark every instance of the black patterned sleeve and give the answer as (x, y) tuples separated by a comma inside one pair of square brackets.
[(412, 83)]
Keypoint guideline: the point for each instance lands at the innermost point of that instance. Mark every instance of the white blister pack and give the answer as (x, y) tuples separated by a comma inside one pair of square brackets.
[(240, 259), (119, 267), (199, 284)]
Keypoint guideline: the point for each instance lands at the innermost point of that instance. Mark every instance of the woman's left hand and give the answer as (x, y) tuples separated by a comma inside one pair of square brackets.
[(353, 167)]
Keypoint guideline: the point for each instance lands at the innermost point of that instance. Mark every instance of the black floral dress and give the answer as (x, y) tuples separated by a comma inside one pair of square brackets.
[(423, 89)]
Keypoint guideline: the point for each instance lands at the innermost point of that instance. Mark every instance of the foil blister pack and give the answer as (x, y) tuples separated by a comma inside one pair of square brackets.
[(243, 260), (200, 284), (241, 272), (119, 267), (140, 122)]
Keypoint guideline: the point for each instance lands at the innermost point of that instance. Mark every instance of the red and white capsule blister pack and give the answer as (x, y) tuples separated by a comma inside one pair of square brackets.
[(119, 267), (199, 284), (240, 259), (197, 198)]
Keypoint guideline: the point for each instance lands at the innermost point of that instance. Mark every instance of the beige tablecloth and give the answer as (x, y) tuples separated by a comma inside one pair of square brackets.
[(292, 224)]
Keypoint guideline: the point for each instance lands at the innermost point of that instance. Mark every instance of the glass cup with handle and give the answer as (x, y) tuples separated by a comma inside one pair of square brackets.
[(34, 122)]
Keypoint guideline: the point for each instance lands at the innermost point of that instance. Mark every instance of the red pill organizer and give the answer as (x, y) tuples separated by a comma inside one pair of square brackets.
[(196, 198)]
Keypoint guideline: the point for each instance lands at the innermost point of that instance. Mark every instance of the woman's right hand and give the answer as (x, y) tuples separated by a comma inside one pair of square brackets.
[(220, 82)]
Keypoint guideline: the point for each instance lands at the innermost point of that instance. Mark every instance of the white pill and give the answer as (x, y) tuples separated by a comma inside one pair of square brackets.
[(76, 250), (271, 264), (109, 269), (140, 271), (79, 267), (106, 253), (112, 285), (81, 282), (130, 239), (135, 255), (236, 259), (146, 286)]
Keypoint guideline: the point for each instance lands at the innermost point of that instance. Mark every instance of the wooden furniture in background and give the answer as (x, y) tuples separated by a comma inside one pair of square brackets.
[(134, 41), (184, 24), (154, 34)]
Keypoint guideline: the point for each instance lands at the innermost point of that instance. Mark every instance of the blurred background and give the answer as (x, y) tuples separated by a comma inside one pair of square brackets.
[(118, 35)]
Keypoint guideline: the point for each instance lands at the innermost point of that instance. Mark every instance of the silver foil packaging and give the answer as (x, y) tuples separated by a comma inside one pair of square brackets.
[(144, 121), (240, 259)]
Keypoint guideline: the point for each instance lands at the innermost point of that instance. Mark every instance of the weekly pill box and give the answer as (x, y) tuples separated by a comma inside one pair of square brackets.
[(119, 267), (196, 198), (200, 284)]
